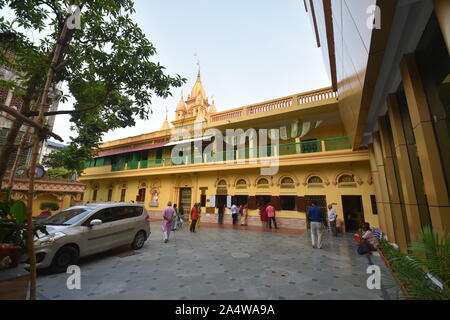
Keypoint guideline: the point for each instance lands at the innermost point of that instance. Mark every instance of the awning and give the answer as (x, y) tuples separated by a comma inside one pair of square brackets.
[(147, 147), (188, 140)]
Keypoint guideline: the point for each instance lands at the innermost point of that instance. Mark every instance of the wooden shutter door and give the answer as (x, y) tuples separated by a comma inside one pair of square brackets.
[(301, 204)]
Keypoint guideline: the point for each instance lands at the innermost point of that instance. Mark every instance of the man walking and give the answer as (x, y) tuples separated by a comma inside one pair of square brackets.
[(271, 215), (332, 216), (194, 217), (234, 213), (316, 217), (168, 215)]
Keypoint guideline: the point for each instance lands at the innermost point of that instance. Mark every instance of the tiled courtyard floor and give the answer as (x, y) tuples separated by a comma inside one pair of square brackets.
[(223, 263)]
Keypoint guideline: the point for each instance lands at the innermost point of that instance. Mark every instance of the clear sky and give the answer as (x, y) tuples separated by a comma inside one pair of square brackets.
[(250, 51)]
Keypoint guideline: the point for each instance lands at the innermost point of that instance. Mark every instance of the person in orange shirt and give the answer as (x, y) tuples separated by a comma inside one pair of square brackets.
[(194, 217)]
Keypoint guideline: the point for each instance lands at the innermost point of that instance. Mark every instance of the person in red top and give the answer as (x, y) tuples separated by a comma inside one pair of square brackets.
[(263, 215), (194, 217), (271, 214)]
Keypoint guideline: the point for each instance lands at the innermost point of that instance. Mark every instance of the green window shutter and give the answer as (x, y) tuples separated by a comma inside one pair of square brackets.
[(100, 162)]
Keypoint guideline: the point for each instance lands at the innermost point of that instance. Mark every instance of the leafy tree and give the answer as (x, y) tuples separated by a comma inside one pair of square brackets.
[(107, 64)]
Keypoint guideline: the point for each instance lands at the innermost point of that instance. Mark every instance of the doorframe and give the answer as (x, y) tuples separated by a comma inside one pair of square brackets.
[(343, 208)]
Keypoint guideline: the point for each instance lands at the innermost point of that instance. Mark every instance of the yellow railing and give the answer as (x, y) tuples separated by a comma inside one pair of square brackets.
[(286, 102)]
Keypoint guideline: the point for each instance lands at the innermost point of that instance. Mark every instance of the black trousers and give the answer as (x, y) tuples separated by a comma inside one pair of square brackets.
[(193, 223), (274, 222), (220, 218), (333, 228), (235, 218)]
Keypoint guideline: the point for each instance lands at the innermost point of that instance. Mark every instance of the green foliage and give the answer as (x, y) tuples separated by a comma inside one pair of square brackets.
[(108, 67), (430, 257), (13, 223), (59, 172), (53, 206)]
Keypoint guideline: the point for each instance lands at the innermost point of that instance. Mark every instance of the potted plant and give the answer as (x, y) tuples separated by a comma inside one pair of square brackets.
[(13, 216), (48, 207), (424, 273)]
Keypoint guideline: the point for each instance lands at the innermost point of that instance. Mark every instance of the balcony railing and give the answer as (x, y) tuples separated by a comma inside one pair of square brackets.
[(295, 100), (304, 147)]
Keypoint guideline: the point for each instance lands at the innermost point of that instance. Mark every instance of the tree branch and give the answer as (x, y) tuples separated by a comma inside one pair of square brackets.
[(30, 122)]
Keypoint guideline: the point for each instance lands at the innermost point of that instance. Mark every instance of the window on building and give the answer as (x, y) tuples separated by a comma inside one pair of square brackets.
[(110, 194), (262, 200), (287, 183), (373, 201), (241, 184), (122, 195), (310, 145), (141, 195), (203, 200), (262, 183), (347, 181), (315, 180), (94, 195), (287, 203)]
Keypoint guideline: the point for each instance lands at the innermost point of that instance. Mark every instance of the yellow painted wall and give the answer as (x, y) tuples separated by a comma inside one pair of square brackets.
[(168, 186), (64, 203)]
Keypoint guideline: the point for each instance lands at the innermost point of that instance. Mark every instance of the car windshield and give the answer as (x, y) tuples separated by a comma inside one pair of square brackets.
[(67, 217)]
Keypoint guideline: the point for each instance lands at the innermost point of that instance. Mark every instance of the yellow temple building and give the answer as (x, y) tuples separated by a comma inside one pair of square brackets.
[(307, 156)]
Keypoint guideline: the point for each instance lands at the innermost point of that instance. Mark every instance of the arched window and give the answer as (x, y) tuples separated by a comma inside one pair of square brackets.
[(347, 181), (222, 184), (287, 182), (315, 180), (262, 183), (241, 184)]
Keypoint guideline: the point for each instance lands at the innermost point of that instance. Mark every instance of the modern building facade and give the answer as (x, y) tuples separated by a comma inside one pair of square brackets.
[(389, 63), (307, 156)]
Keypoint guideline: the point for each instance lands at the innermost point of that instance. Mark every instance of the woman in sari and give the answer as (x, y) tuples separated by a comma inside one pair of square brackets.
[(175, 218)]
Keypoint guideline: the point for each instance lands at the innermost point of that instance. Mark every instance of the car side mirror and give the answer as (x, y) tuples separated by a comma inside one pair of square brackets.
[(96, 222)]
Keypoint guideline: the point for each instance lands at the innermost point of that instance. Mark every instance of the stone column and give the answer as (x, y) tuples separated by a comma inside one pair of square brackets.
[(390, 230), (404, 168), (378, 193), (427, 147), (400, 223)]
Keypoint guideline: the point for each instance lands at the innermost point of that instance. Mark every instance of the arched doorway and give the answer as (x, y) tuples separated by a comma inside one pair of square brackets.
[(221, 193)]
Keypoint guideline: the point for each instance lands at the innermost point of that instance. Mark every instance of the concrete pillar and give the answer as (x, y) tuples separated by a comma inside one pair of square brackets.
[(400, 222), (390, 230), (427, 147), (378, 193), (404, 168)]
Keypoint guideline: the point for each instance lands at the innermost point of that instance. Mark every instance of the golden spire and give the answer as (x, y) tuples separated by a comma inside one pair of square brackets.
[(165, 124)]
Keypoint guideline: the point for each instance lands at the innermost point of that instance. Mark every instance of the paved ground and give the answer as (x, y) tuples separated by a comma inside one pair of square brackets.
[(221, 264)]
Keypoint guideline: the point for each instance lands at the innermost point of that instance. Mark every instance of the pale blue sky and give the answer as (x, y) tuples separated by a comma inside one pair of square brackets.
[(249, 50)]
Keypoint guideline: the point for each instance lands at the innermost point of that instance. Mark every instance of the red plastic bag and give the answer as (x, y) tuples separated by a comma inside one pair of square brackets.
[(357, 238)]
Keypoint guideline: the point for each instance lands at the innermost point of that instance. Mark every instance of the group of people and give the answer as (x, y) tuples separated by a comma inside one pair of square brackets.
[(173, 219), (365, 238)]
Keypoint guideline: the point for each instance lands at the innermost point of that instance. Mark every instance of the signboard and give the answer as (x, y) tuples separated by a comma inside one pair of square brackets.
[(212, 201)]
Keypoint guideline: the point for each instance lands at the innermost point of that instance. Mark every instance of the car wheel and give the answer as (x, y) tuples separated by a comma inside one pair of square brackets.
[(65, 257), (138, 241)]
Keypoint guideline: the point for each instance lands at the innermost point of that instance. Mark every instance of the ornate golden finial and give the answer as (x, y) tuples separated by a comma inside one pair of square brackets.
[(198, 64)]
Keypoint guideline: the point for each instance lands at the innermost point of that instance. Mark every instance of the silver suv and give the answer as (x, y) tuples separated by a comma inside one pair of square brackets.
[(87, 229)]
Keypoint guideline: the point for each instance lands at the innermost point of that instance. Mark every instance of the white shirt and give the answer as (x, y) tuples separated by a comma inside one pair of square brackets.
[(234, 209), (331, 215)]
